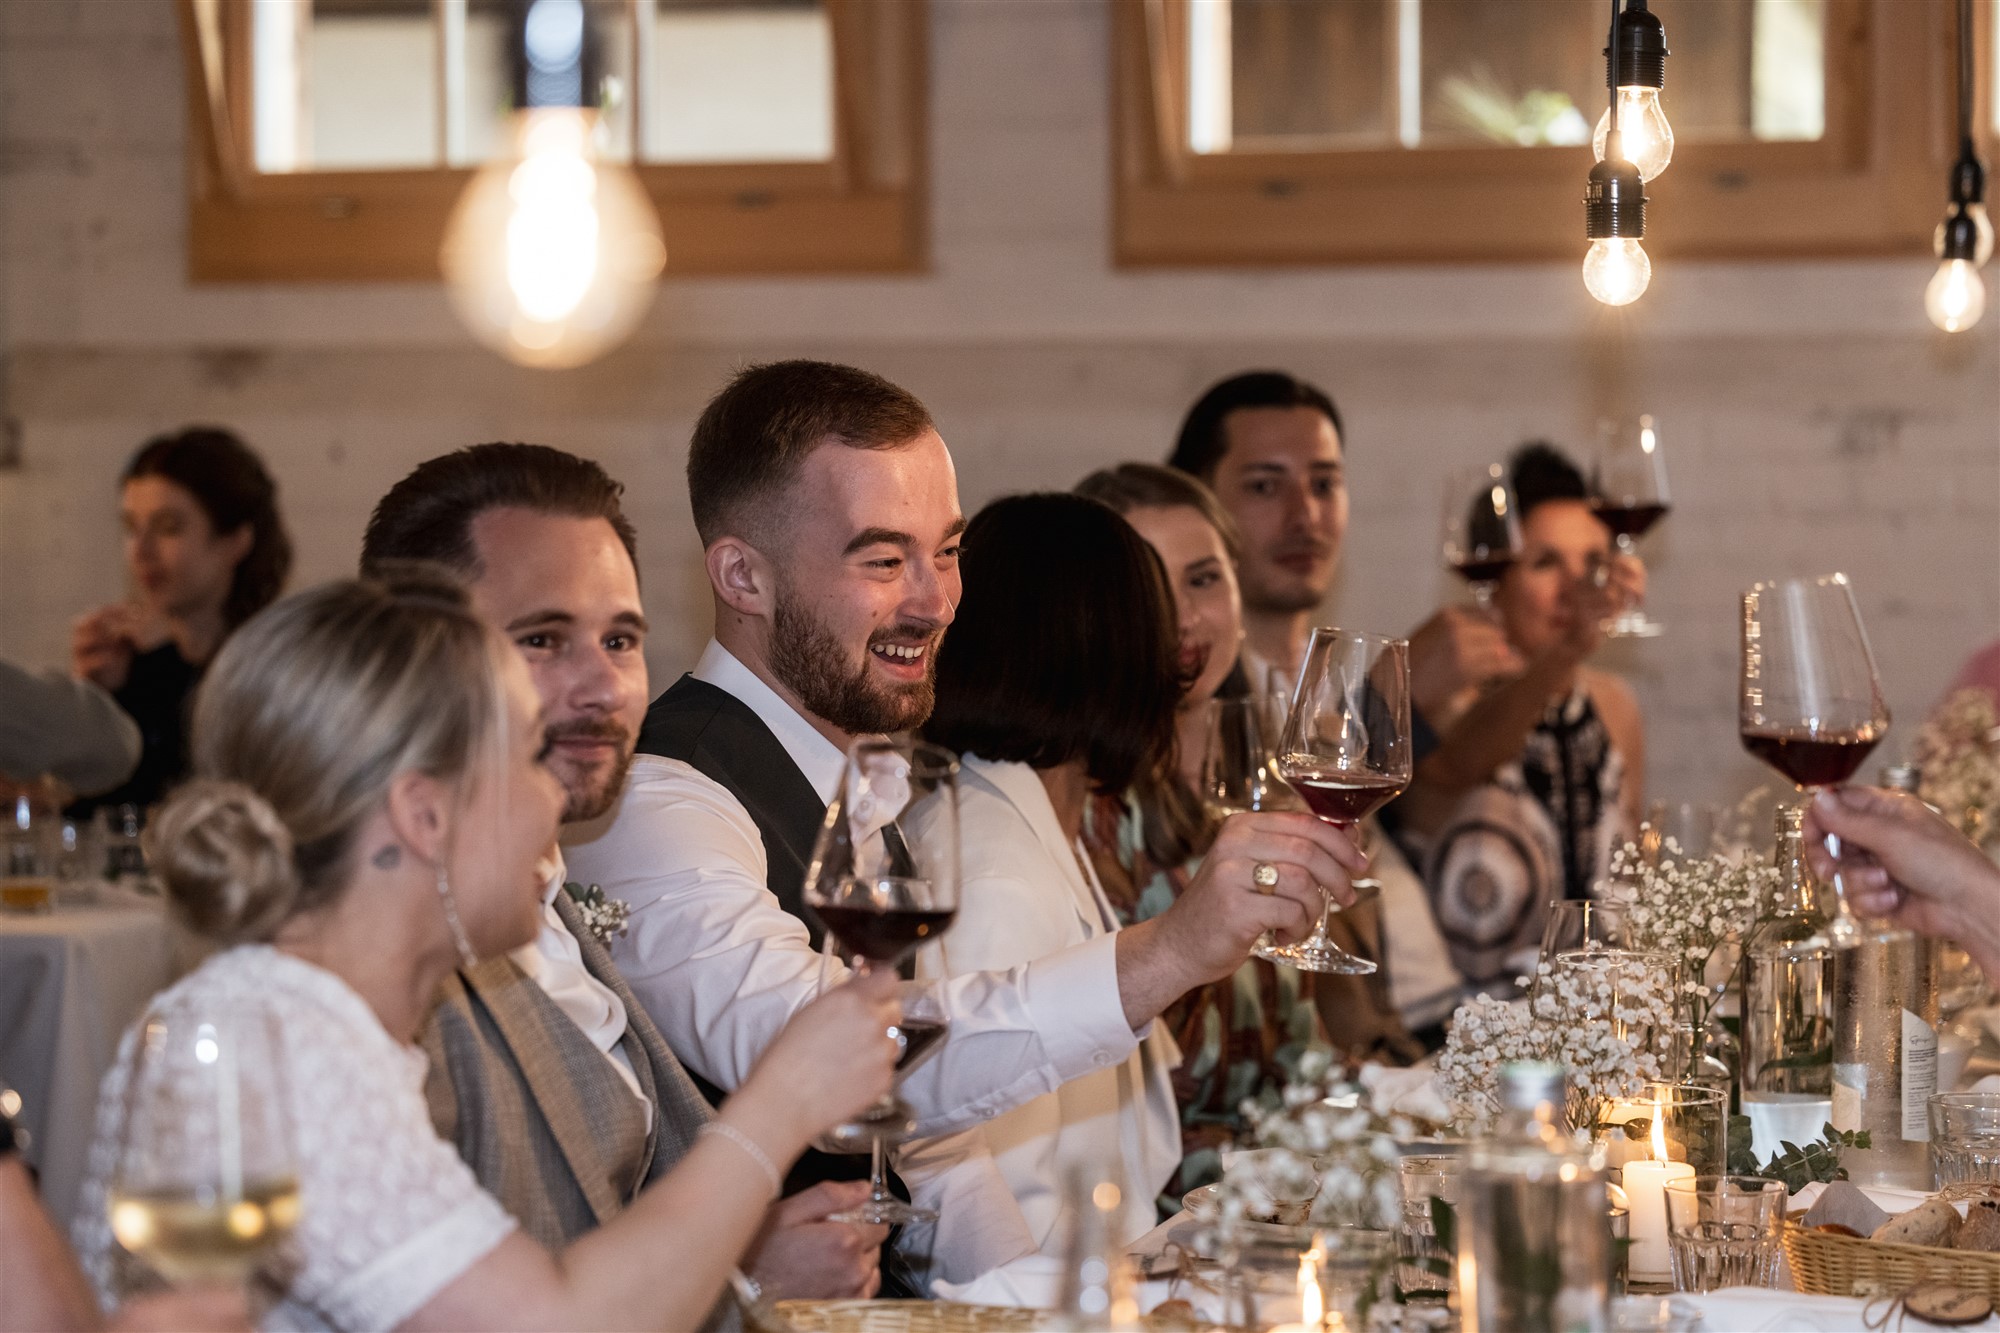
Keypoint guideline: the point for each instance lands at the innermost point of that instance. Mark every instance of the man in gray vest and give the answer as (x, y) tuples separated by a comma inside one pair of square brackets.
[(545, 1071), (827, 505)]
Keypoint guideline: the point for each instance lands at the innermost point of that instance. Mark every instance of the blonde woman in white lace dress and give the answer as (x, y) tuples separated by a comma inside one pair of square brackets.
[(370, 806)]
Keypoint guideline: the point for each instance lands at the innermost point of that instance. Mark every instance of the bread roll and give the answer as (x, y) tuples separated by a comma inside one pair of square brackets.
[(1932, 1222), (1981, 1229)]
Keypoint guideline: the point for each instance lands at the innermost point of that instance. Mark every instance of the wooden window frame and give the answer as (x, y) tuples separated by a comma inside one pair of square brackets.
[(1874, 184), (863, 211)]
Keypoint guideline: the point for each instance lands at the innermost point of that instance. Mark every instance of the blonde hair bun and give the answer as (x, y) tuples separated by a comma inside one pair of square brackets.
[(226, 860)]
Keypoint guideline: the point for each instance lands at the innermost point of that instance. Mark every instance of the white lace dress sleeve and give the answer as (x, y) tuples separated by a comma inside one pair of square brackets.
[(389, 1214)]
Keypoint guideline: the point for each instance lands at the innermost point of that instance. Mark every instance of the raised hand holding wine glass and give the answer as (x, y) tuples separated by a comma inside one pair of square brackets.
[(1346, 752), (1628, 493), (204, 1190), (1480, 528), (884, 879), (1810, 700)]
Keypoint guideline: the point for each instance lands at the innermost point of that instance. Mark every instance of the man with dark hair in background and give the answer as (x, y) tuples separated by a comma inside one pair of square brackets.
[(828, 507), (1274, 450), (545, 1071)]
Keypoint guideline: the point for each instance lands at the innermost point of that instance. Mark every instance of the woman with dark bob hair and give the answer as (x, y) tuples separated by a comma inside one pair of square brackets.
[(205, 550), (1058, 681)]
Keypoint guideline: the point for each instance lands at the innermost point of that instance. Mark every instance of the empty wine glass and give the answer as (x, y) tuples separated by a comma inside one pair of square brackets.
[(1810, 702), (884, 880), (1346, 752), (1582, 924), (1239, 771), (1691, 826), (1628, 493), (205, 1185), (1480, 527)]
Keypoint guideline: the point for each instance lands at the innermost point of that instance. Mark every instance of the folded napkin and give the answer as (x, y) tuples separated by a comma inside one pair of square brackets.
[(1412, 1092)]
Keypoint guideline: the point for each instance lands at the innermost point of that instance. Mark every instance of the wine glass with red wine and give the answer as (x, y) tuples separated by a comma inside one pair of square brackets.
[(1628, 493), (1481, 528), (884, 881), (1810, 703), (1346, 752)]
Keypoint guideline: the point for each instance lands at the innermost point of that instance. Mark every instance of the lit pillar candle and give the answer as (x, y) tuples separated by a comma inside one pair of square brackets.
[(1312, 1305), (1645, 1185)]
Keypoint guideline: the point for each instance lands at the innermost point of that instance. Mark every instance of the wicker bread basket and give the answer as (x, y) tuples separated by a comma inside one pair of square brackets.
[(1827, 1264)]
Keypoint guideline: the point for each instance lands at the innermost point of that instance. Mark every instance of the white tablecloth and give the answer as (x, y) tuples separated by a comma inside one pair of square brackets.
[(70, 984)]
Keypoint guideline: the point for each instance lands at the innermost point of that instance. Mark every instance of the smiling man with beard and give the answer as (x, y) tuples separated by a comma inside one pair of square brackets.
[(827, 505), (545, 1072)]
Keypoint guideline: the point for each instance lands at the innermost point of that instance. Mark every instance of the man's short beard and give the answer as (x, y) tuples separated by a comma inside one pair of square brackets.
[(1284, 601), (807, 658), (579, 806)]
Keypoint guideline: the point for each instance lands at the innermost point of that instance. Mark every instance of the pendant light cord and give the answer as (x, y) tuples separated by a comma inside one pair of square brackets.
[(1964, 77), (1611, 77)]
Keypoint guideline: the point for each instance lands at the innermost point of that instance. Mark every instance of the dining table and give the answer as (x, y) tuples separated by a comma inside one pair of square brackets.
[(71, 981)]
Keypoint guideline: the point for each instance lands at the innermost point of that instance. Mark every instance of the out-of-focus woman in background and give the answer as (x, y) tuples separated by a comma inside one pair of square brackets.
[(205, 549), (1541, 775)]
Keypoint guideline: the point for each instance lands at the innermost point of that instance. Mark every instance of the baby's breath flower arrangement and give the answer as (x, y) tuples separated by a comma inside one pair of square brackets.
[(1608, 1024), (1696, 909), (1347, 1154), (1958, 751)]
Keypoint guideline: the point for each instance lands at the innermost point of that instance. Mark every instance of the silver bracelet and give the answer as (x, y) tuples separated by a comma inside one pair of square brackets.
[(750, 1146)]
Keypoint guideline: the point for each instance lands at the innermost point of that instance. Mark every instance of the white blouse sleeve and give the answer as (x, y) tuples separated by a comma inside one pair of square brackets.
[(389, 1215)]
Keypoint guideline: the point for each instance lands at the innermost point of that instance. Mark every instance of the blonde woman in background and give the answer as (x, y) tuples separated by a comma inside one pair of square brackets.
[(371, 799)]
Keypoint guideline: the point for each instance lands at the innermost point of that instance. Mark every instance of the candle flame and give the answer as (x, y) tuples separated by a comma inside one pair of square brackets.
[(1659, 1127), (1312, 1306)]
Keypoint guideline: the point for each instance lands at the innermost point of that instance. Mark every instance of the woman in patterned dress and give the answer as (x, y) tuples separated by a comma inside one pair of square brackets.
[(1542, 775)]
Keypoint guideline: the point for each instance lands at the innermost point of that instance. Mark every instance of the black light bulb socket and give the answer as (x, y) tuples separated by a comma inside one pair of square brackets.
[(1961, 236), (1968, 178), (1642, 49), (1614, 202)]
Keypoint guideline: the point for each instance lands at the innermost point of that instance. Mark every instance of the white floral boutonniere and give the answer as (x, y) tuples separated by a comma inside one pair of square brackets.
[(605, 917)]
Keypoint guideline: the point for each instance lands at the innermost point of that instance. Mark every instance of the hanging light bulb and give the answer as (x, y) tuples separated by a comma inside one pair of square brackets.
[(1615, 269), (1640, 65), (1956, 296), (1649, 140), (552, 252)]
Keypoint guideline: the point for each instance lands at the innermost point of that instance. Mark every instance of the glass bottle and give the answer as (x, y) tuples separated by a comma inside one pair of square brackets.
[(1098, 1289), (1885, 1052), (1787, 1004), (1534, 1231)]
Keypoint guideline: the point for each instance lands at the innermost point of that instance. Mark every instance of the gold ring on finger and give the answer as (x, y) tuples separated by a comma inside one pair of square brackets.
[(1265, 876)]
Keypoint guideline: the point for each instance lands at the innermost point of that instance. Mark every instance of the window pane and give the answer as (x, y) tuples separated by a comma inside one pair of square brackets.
[(1319, 74), (344, 84), (740, 82)]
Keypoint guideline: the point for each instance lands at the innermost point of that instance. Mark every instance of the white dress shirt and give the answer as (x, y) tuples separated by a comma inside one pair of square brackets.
[(555, 963), (722, 967), (1027, 892)]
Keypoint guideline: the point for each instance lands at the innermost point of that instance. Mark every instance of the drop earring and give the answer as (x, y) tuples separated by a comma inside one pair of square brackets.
[(458, 936)]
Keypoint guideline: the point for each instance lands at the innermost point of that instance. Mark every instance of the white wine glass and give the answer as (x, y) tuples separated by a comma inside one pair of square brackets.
[(1628, 493), (1480, 530), (1346, 752), (204, 1190), (1809, 700), (884, 881)]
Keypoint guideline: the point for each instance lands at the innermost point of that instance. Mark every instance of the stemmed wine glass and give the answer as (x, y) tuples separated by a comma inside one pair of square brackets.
[(1628, 493), (884, 880), (1346, 752), (1480, 528), (1239, 772), (205, 1189), (1810, 701)]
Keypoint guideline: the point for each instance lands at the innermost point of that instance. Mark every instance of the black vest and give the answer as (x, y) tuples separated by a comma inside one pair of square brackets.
[(716, 734)]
